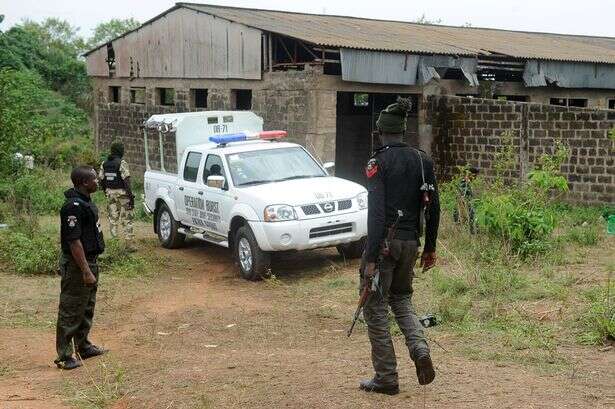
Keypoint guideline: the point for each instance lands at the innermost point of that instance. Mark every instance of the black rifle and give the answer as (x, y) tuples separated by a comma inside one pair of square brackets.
[(372, 283)]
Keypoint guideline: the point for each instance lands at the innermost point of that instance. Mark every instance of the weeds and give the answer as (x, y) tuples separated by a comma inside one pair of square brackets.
[(598, 321), (106, 384), (37, 254), (119, 261), (5, 370)]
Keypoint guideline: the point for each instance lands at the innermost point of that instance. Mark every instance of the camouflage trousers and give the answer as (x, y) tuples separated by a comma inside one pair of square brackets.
[(76, 309), (396, 273), (119, 214)]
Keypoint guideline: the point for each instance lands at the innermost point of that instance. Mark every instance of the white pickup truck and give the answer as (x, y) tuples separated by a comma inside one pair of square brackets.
[(245, 189)]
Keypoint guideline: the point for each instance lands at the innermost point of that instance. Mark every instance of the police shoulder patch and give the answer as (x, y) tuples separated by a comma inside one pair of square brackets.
[(372, 168), (72, 221)]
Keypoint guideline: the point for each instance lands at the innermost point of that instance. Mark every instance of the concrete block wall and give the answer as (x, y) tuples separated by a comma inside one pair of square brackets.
[(286, 100), (470, 131)]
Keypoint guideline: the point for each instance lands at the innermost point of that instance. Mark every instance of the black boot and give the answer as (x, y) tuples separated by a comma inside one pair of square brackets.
[(91, 351), (424, 368), (372, 385), (68, 364)]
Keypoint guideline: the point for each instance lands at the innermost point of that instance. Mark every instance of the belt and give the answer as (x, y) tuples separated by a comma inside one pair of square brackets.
[(405, 235)]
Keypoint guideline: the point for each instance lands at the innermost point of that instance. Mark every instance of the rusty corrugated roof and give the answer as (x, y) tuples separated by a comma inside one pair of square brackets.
[(361, 33)]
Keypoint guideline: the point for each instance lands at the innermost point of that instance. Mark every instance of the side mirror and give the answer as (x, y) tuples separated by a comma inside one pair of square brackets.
[(216, 182), (328, 165)]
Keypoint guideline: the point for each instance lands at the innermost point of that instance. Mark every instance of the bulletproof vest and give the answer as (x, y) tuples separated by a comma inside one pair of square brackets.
[(91, 235), (112, 177)]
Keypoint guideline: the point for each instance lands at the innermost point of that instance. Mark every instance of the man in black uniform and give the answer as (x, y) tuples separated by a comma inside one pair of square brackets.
[(397, 177), (82, 242)]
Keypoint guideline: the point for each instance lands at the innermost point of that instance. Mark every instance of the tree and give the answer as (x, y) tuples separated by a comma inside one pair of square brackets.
[(51, 49), (424, 20), (105, 32), (57, 34)]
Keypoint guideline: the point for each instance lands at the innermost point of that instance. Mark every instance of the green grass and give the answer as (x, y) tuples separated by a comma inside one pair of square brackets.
[(5, 370), (103, 383), (597, 323), (509, 309)]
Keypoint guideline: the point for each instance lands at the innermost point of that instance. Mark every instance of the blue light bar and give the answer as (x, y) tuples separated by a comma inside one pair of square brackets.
[(228, 138)]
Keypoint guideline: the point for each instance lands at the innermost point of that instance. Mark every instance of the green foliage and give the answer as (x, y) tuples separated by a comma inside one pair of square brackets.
[(34, 120), (36, 254), (107, 31), (117, 260), (524, 223), (522, 215), (51, 49), (598, 322), (546, 177)]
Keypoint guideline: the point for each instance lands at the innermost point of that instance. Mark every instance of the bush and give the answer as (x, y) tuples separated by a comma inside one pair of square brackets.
[(29, 255), (118, 260), (524, 223), (29, 193), (523, 216), (598, 321)]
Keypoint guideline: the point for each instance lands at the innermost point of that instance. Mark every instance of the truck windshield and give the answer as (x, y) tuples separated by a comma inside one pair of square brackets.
[(272, 165)]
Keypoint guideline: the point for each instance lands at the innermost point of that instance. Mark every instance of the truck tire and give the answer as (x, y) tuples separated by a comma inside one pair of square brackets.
[(254, 263), (352, 250), (167, 228)]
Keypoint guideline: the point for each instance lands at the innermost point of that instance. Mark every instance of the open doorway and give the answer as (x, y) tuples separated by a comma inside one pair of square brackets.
[(357, 113)]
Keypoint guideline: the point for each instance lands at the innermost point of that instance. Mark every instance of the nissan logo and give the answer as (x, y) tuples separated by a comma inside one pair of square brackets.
[(328, 207)]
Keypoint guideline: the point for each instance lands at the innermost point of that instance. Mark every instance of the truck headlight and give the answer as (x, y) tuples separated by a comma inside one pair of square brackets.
[(362, 200), (279, 213)]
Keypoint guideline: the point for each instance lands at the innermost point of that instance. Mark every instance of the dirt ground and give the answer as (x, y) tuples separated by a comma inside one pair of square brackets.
[(195, 335)]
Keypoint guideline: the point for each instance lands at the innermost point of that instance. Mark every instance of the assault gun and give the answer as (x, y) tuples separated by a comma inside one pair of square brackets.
[(372, 283)]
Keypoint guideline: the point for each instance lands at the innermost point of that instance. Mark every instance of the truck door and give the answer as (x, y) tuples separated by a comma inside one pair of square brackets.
[(189, 200), (218, 202)]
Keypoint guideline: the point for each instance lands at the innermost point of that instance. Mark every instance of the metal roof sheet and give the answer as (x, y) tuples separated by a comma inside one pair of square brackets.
[(361, 33)]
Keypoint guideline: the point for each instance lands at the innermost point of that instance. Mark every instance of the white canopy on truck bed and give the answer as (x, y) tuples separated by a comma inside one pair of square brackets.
[(193, 128)]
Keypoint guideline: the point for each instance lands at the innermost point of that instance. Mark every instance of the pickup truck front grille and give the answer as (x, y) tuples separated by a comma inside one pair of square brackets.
[(344, 204), (330, 230), (328, 207), (310, 210)]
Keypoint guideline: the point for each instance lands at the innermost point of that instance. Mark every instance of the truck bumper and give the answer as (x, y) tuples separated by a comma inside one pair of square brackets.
[(310, 234)]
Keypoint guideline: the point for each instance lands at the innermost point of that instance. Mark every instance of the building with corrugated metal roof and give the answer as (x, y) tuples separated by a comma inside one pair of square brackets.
[(324, 78)]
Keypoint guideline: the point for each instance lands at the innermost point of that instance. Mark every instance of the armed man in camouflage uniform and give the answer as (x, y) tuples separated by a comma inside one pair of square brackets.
[(114, 178), (398, 177)]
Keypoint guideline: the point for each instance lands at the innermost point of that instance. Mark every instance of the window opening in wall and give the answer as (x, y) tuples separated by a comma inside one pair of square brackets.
[(451, 74), (559, 101), (516, 98), (241, 99), (198, 97), (611, 103), (212, 120), (569, 102), (361, 100), (115, 94), (166, 96), (137, 95), (227, 119), (110, 59), (577, 102)]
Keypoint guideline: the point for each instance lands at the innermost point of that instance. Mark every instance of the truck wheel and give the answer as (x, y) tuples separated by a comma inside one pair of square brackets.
[(167, 229), (352, 250), (254, 263)]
